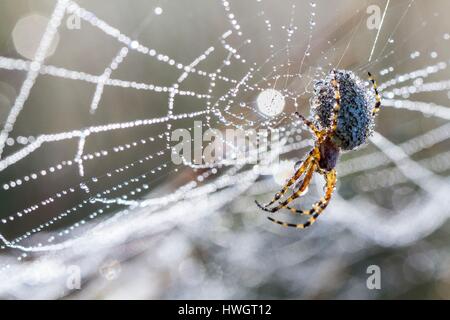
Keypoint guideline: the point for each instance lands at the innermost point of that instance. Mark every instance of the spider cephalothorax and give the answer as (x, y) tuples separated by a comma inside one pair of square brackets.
[(344, 113)]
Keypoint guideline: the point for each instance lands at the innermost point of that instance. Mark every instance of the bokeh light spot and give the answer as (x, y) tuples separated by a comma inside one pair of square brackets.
[(270, 102), (28, 33)]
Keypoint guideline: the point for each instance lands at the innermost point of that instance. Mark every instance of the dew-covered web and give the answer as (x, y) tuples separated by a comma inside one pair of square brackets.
[(86, 170)]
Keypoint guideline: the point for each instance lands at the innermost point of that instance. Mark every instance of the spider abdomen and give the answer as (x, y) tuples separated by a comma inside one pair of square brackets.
[(354, 117)]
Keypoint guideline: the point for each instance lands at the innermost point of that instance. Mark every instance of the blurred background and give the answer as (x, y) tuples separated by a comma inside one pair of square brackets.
[(93, 207)]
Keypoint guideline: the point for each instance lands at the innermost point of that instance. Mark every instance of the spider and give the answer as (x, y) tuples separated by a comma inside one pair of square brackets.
[(343, 120)]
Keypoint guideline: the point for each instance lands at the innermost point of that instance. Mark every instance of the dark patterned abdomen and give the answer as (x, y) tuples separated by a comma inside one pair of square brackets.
[(355, 121)]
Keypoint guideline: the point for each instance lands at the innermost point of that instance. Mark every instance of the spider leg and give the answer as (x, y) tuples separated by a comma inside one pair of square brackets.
[(305, 212), (310, 125), (299, 211), (296, 194), (317, 204), (272, 210), (317, 208), (291, 181), (377, 106), (337, 104)]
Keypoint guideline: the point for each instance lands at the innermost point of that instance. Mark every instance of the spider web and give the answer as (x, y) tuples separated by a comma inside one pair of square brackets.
[(85, 148)]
